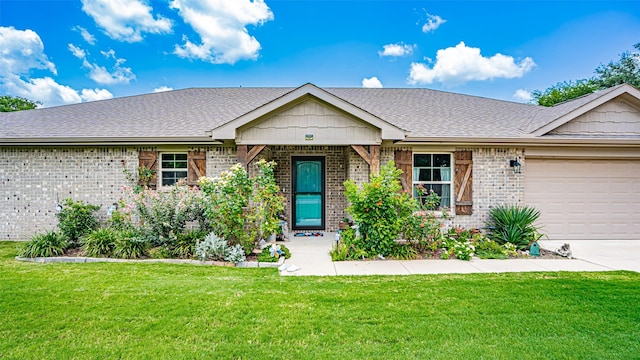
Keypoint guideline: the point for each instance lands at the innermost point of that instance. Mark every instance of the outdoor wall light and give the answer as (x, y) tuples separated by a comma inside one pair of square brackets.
[(515, 164)]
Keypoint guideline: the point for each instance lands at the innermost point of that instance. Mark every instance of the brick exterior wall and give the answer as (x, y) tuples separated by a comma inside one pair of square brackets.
[(34, 179)]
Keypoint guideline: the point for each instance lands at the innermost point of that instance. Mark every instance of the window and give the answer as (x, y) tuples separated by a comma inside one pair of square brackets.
[(173, 167), (433, 172)]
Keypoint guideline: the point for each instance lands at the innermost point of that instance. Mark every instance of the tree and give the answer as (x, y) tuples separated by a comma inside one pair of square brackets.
[(10, 103), (564, 91), (625, 70)]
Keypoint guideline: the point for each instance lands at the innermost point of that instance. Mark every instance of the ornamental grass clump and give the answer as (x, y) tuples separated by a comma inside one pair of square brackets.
[(513, 224), (380, 209), (49, 244)]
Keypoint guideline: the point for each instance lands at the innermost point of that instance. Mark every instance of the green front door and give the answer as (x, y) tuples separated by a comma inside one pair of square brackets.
[(308, 192)]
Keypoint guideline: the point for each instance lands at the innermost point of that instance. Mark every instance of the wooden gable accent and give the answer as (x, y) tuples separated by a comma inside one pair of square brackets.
[(464, 182), (196, 166), (149, 160), (404, 161)]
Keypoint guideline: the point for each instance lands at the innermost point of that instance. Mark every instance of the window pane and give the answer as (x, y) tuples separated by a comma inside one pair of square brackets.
[(167, 157), (425, 175), (181, 157), (441, 160), (422, 160), (181, 165), (436, 175)]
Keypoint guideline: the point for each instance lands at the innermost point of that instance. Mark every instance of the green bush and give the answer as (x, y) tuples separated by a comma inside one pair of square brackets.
[(513, 224), (45, 245), (380, 209), (404, 252), (130, 244), (100, 242), (76, 219), (350, 247), (489, 249)]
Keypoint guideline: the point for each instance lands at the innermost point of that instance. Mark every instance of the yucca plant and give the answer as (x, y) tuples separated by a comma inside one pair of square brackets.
[(100, 242), (45, 245), (513, 224)]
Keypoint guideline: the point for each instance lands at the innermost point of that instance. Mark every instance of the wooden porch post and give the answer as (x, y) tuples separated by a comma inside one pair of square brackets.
[(245, 156), (372, 157)]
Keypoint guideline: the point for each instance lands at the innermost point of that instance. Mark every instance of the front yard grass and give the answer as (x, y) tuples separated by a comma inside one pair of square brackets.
[(129, 310)]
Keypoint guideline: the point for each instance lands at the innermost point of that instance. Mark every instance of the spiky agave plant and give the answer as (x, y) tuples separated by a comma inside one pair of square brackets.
[(513, 224)]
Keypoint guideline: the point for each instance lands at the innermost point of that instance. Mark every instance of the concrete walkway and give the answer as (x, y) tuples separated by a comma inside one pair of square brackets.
[(311, 256)]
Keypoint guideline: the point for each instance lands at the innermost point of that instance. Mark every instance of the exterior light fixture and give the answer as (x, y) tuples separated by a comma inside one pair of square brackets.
[(515, 164)]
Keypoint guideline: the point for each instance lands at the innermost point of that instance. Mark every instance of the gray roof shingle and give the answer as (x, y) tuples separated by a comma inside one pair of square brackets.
[(191, 113)]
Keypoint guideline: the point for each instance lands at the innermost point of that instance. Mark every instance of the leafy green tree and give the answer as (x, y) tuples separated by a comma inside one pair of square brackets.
[(564, 91), (625, 70), (10, 103)]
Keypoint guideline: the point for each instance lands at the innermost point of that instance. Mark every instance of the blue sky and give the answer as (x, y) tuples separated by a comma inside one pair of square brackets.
[(60, 52)]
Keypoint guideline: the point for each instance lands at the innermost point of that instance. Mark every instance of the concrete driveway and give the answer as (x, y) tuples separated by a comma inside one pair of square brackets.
[(612, 254)]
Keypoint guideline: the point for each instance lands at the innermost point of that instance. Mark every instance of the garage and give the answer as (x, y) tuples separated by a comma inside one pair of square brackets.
[(585, 199)]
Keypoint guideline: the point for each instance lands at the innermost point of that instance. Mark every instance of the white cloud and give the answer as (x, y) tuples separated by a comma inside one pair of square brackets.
[(118, 74), (86, 35), (22, 51), (399, 49), (162, 88), (96, 94), (433, 22), (77, 52), (372, 82), (522, 95), (221, 25), (45, 90), (126, 20), (460, 64)]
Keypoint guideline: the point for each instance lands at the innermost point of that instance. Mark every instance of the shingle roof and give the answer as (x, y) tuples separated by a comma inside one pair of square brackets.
[(191, 113)]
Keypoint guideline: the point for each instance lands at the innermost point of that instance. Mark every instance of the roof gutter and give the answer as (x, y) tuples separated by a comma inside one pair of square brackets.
[(108, 141), (525, 141)]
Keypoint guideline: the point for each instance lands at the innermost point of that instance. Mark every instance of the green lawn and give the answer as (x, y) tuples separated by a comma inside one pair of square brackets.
[(149, 311)]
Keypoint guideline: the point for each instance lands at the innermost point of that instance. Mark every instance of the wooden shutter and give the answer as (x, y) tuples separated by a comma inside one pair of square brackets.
[(197, 166), (149, 160), (464, 182), (404, 162)]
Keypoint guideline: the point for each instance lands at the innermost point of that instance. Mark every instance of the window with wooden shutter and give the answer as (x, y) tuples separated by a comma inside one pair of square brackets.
[(197, 166), (432, 173), (404, 161), (464, 182), (148, 160)]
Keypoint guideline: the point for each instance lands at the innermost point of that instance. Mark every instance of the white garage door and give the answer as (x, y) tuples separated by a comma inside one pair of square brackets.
[(585, 199)]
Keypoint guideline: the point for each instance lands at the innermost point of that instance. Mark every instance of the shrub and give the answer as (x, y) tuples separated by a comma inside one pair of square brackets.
[(350, 247), (242, 209), (45, 245), (236, 254), (100, 242), (120, 218), (380, 209), (226, 201), (422, 229), (212, 248), (513, 224), (489, 249), (130, 244), (164, 214), (76, 219)]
